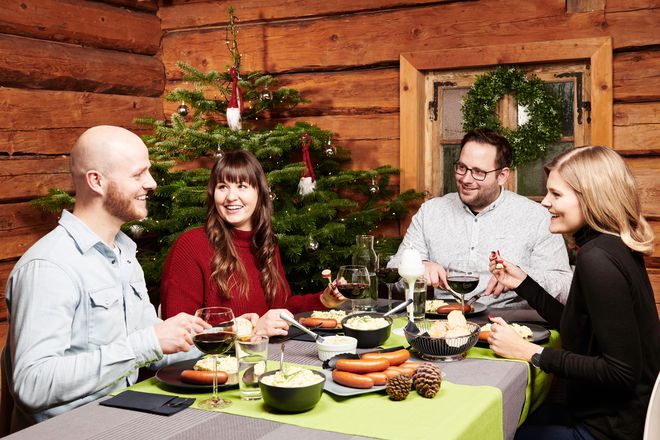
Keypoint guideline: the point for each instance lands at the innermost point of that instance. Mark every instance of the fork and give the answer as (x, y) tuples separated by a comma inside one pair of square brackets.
[(472, 300)]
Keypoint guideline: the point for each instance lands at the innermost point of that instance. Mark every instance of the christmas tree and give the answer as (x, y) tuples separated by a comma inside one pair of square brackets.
[(319, 205)]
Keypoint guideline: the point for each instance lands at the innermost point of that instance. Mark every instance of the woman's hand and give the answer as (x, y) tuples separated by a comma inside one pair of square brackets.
[(270, 324), (505, 342), (509, 275), (331, 298), (252, 317)]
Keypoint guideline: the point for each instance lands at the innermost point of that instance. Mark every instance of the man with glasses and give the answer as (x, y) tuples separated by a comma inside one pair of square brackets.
[(482, 217)]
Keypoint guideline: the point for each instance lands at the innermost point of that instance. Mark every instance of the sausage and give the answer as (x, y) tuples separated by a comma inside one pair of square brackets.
[(405, 371), (379, 377), (352, 380), (483, 336), (444, 310), (318, 322), (391, 372), (362, 365), (394, 357), (200, 377), (410, 364)]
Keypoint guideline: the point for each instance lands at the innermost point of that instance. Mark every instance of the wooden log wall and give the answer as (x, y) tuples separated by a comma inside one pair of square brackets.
[(65, 66), (344, 56)]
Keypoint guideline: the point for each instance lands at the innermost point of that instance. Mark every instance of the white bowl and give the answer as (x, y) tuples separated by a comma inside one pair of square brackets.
[(334, 345)]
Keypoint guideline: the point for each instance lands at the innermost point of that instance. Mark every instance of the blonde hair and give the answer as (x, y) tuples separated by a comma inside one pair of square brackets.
[(607, 193)]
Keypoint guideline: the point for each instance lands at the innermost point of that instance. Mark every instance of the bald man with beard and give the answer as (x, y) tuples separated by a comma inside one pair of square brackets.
[(80, 320)]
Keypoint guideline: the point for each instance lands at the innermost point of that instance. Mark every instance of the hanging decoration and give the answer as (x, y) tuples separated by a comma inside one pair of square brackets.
[(543, 124), (330, 150), (373, 188), (271, 194), (312, 244), (235, 105), (266, 96), (307, 184), (182, 109)]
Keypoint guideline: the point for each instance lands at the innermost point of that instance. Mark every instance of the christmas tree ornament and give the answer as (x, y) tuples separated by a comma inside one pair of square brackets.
[(427, 380), (271, 195), (312, 244), (219, 153), (329, 150), (373, 188), (307, 184), (183, 109), (266, 96), (398, 387), (235, 105)]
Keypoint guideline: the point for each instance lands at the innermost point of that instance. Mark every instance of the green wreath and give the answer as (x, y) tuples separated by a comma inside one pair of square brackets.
[(530, 140)]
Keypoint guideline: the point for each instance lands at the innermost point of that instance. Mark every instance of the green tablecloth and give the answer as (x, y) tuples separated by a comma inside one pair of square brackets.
[(474, 411)]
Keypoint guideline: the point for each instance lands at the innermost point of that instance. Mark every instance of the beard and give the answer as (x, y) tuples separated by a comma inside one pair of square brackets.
[(121, 206), (481, 199)]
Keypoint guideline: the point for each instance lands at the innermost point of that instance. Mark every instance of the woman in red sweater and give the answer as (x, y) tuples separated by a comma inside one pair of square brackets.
[(234, 261)]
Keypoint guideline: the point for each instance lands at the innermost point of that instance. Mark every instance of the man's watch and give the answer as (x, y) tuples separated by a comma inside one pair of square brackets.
[(536, 360)]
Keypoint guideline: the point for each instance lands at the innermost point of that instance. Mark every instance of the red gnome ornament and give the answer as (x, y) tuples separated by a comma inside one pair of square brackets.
[(307, 184), (235, 106)]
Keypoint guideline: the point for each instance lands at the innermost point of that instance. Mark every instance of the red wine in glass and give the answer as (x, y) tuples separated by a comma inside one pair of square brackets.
[(388, 275), (352, 290), (214, 342), (463, 284)]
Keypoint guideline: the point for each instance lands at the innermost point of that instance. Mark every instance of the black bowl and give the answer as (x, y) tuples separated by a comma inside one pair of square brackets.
[(368, 338), (291, 400)]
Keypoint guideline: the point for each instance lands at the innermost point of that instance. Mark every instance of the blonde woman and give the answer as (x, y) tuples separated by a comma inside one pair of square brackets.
[(609, 326)]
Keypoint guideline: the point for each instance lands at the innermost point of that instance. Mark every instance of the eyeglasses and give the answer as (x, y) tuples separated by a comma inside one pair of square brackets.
[(461, 169)]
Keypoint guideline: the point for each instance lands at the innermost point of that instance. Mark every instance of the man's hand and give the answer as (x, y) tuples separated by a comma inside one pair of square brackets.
[(270, 324), (175, 334), (435, 274), (495, 288)]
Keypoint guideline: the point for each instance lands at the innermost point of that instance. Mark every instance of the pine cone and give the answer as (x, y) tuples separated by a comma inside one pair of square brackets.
[(427, 380), (398, 387)]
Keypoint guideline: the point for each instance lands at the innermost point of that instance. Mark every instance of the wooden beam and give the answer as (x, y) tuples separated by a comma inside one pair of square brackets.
[(30, 63), (602, 94), (574, 6), (142, 5), (637, 76), (195, 14), (411, 123), (637, 128), (41, 109), (646, 171), (82, 22), (29, 178)]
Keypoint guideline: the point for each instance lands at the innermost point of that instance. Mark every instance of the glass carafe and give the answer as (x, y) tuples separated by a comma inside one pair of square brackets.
[(365, 255)]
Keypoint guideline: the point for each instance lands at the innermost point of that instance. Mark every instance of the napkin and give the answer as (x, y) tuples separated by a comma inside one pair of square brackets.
[(152, 403)]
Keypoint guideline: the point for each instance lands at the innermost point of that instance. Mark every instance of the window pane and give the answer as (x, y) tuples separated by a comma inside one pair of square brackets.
[(450, 154), (452, 116), (564, 91), (531, 177)]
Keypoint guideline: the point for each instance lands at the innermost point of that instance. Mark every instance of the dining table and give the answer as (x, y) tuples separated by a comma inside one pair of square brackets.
[(482, 396)]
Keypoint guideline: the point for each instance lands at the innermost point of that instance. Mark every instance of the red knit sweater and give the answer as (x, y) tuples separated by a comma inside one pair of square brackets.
[(187, 285)]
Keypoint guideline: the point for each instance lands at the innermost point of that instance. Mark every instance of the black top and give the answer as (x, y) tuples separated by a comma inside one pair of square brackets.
[(610, 336)]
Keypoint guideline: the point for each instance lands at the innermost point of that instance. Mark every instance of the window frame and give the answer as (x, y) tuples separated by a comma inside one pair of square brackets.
[(416, 150)]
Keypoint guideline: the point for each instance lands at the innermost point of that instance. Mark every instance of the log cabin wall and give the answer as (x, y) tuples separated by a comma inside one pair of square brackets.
[(343, 55), (65, 66), (68, 65)]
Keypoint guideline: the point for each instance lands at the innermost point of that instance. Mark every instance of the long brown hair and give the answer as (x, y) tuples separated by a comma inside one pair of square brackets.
[(607, 194), (227, 269)]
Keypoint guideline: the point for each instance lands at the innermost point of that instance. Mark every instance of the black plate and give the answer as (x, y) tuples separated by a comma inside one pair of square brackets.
[(540, 334), (477, 308), (171, 376)]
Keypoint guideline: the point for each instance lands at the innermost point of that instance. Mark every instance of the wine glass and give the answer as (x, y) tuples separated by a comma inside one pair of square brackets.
[(388, 275), (215, 341), (352, 282), (462, 278)]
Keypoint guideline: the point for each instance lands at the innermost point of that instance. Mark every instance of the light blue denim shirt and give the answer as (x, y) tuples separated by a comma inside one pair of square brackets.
[(80, 322)]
